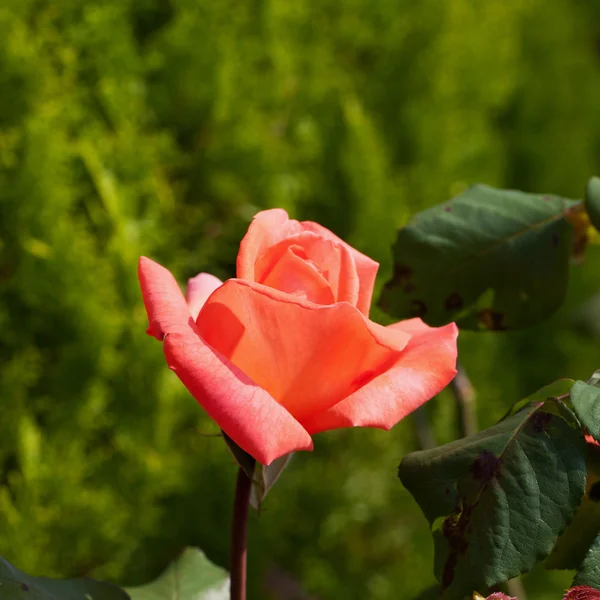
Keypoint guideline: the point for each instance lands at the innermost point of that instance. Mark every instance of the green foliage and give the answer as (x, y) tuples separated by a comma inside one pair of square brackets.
[(477, 495), (487, 259), (577, 538), (16, 585), (159, 127), (586, 402), (191, 577), (589, 573)]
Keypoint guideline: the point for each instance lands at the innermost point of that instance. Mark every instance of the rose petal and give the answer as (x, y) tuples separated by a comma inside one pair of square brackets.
[(291, 273), (423, 369), (266, 229), (246, 412), (307, 356), (272, 226), (365, 267), (589, 438), (305, 264), (199, 288)]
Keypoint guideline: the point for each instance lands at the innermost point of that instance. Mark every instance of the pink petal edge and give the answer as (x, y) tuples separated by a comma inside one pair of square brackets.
[(248, 414), (199, 288)]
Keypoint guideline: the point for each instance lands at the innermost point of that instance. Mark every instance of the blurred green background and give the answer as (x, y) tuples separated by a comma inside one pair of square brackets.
[(160, 127)]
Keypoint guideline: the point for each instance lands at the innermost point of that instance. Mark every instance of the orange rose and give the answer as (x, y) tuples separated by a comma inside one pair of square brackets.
[(286, 349)]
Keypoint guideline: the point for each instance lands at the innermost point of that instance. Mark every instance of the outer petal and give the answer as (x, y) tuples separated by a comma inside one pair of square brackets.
[(424, 368), (307, 356), (199, 288), (246, 412), (366, 267)]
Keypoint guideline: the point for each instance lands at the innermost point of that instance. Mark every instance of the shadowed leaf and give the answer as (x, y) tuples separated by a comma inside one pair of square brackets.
[(488, 259), (589, 572), (497, 501), (586, 402), (16, 585), (581, 532)]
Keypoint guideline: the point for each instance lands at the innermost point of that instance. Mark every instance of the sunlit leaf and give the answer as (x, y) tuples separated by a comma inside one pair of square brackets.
[(191, 577)]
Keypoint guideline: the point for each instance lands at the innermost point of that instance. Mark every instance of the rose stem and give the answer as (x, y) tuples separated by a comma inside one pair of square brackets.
[(239, 535), (464, 394)]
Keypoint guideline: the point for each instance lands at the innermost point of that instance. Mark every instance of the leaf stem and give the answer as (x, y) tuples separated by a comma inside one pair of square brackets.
[(239, 535)]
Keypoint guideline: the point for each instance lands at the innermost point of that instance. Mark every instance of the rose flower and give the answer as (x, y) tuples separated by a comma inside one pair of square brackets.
[(286, 349)]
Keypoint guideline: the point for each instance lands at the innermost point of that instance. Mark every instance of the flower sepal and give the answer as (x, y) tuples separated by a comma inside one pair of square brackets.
[(263, 477)]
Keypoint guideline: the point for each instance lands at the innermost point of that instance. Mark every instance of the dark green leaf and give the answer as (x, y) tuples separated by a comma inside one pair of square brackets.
[(16, 585), (191, 577), (497, 501), (589, 573), (586, 402), (488, 259), (558, 389), (573, 544), (577, 538), (592, 201)]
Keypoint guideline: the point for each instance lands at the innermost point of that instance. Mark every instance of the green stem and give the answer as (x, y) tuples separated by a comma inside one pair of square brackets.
[(239, 535)]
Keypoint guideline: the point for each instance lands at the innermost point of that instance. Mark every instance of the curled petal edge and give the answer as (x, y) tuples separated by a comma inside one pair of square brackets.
[(198, 291), (424, 368)]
